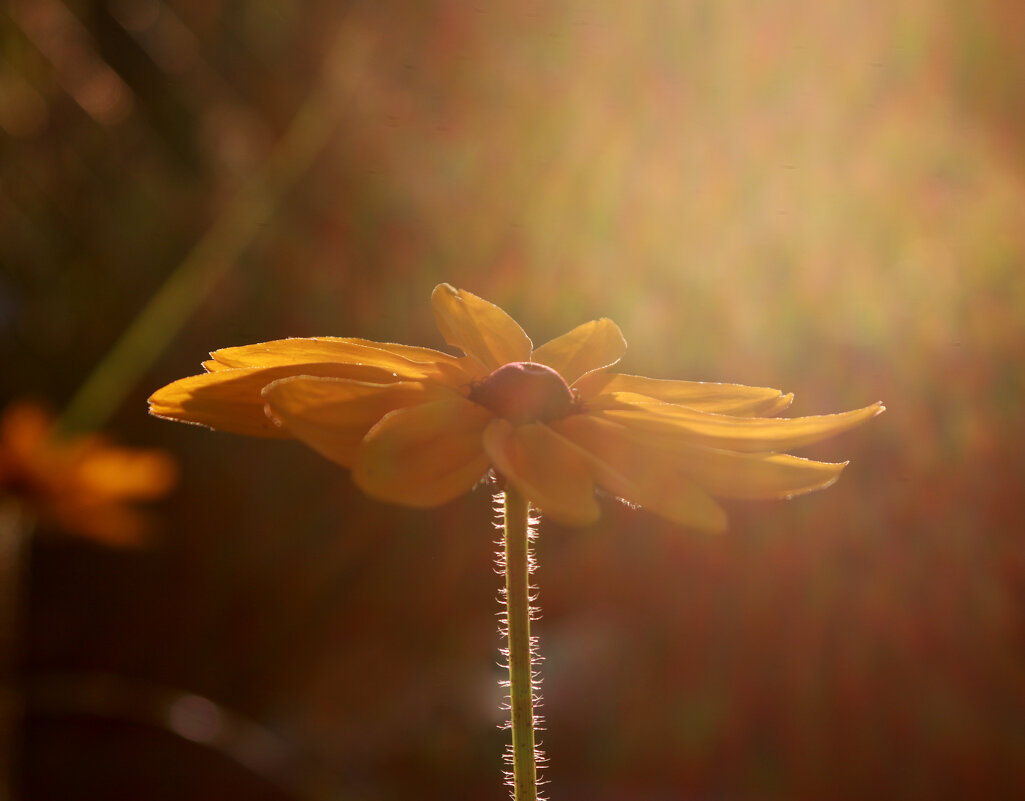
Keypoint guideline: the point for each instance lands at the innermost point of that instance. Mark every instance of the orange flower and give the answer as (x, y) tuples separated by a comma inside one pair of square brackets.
[(82, 485), (419, 427)]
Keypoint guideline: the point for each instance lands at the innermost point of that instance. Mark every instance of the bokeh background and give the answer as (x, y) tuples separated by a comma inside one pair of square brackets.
[(822, 197)]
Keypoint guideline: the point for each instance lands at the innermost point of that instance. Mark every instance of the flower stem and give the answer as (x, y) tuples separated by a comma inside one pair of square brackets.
[(521, 654)]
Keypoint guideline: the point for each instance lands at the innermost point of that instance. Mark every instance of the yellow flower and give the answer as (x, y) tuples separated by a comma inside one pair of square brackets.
[(82, 485), (419, 427)]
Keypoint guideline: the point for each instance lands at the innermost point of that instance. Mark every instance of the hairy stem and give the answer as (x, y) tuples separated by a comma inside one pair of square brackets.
[(521, 656)]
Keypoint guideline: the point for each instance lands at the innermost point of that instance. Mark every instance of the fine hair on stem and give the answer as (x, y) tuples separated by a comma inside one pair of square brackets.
[(515, 560)]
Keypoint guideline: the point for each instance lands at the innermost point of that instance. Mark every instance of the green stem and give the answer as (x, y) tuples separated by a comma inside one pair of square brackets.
[(521, 684), (219, 249)]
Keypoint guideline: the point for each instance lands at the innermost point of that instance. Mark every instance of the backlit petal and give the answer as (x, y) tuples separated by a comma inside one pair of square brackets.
[(683, 425), (405, 361), (587, 347), (724, 474), (706, 396), (424, 455), (332, 415), (641, 475), (547, 469), (478, 328), (230, 400)]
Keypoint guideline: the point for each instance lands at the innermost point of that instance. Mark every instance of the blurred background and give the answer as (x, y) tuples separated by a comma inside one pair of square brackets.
[(827, 198)]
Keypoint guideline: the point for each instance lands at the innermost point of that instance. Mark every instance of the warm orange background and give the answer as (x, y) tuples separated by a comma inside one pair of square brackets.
[(822, 197)]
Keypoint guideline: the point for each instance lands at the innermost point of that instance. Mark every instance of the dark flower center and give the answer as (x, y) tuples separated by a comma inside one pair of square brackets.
[(524, 392)]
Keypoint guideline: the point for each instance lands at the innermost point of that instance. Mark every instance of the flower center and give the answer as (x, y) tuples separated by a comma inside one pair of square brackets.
[(524, 392)]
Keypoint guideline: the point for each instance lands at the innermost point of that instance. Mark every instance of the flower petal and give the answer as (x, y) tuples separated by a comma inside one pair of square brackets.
[(230, 400), (680, 424), (332, 415), (706, 396), (723, 474), (424, 455), (479, 328), (641, 475), (405, 361), (547, 469), (587, 347)]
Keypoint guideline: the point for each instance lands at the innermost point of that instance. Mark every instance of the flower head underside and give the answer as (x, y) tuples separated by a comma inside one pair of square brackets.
[(419, 427)]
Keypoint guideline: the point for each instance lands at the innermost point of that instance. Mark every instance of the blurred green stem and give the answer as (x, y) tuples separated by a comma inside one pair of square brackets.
[(219, 249), (521, 682)]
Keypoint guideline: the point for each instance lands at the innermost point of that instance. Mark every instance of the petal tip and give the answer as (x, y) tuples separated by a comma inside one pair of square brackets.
[(271, 389), (445, 289), (268, 410)]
